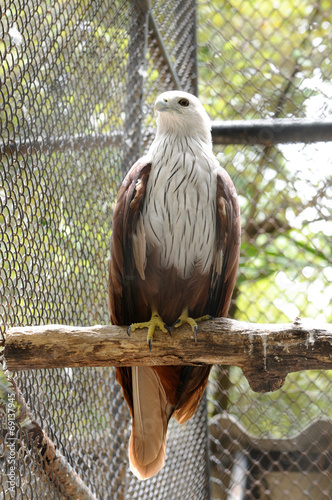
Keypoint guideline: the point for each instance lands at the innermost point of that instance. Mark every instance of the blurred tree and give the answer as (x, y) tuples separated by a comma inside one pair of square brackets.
[(272, 60)]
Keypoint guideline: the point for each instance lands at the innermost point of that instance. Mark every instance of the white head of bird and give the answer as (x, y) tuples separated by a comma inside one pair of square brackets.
[(182, 113)]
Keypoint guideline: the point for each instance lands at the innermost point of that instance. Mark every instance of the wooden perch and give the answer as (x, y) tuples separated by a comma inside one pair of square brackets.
[(266, 353)]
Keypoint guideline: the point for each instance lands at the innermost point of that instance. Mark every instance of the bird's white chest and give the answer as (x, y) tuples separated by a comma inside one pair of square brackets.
[(179, 212)]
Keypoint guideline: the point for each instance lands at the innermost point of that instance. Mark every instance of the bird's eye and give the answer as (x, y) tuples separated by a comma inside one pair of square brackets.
[(184, 102)]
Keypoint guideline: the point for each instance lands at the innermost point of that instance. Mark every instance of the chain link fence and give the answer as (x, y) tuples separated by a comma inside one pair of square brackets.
[(77, 86), (273, 60)]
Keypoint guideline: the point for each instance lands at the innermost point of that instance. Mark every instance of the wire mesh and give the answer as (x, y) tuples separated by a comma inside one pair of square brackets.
[(57, 196), (272, 60), (185, 472), (78, 81), (72, 94)]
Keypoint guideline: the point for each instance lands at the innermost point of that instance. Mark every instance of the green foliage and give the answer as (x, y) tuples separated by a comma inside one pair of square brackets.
[(264, 60), (305, 397), (5, 388), (272, 60), (250, 51)]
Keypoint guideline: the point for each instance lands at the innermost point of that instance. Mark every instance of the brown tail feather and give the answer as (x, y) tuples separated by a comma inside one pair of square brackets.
[(151, 413), (194, 381), (153, 394)]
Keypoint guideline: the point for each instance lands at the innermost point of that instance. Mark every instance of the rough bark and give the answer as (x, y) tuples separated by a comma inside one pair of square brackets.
[(266, 353)]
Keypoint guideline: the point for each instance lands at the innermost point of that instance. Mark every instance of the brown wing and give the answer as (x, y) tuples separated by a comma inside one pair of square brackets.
[(122, 268), (228, 238)]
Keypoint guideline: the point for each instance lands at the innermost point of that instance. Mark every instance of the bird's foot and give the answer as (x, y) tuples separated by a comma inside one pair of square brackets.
[(184, 318), (155, 322)]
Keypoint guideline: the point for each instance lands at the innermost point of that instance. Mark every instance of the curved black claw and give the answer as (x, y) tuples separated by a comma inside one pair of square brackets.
[(168, 329), (150, 345), (129, 330), (176, 322)]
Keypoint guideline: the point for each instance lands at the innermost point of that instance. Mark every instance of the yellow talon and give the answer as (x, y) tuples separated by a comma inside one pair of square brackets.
[(155, 322), (184, 318), (204, 318)]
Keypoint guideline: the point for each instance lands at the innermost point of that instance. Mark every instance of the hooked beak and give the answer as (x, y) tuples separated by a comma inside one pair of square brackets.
[(161, 105)]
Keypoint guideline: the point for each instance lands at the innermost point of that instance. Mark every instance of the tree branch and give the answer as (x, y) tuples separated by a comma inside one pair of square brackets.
[(266, 353), (55, 465)]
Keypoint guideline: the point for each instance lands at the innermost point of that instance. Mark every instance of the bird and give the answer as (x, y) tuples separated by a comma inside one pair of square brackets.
[(175, 246)]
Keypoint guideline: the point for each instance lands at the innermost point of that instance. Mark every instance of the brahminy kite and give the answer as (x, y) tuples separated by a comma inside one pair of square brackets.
[(174, 258)]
